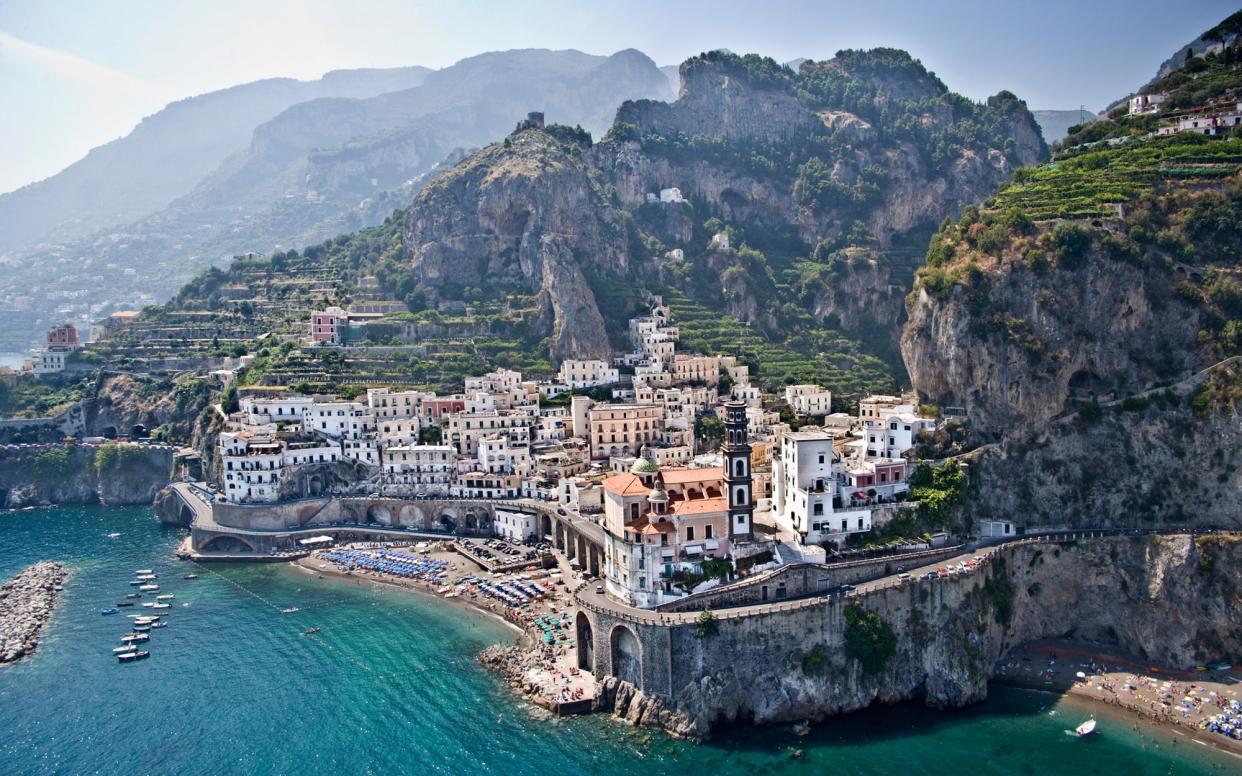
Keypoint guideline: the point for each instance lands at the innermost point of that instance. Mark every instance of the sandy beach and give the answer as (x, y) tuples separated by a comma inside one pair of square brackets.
[(543, 672), (1175, 703)]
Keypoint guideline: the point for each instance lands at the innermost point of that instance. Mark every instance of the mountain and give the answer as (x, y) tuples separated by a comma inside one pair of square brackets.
[(1088, 320), (326, 166), (1055, 124), (167, 154), (801, 192)]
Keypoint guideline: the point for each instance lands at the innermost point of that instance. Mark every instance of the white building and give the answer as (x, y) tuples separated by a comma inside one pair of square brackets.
[(501, 455), (426, 468), (339, 419), (891, 435), (587, 373), (805, 497), (808, 400), (286, 408), (515, 526)]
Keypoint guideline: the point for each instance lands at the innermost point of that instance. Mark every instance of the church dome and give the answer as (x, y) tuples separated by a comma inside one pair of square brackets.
[(644, 463), (657, 495)]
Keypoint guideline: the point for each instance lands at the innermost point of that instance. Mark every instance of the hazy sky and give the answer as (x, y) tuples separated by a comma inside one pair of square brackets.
[(78, 73)]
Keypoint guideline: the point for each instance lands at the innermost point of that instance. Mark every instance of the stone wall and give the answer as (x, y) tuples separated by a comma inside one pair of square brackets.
[(1171, 599), (803, 579)]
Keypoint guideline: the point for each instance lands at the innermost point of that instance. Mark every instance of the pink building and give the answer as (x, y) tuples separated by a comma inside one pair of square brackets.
[(62, 337), (329, 325)]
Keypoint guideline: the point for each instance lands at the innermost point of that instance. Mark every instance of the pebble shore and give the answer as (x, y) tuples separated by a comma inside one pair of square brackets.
[(26, 604)]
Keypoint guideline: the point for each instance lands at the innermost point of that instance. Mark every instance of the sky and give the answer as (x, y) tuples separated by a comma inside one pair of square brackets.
[(75, 74)]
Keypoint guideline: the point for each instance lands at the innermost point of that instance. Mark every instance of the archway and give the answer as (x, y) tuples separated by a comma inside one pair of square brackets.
[(584, 642), (472, 522), (379, 513), (627, 659), (546, 533), (314, 485), (227, 544), (447, 523)]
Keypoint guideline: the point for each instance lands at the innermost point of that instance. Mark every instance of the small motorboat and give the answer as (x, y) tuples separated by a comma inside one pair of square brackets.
[(160, 624), (129, 657), (109, 610), (289, 610), (1086, 728), (161, 606), (141, 628), (148, 604), (132, 638), (134, 595), (311, 631), (190, 576), (125, 603), (113, 535), (145, 577), (165, 597), (148, 587), (135, 582), (119, 650), (144, 571)]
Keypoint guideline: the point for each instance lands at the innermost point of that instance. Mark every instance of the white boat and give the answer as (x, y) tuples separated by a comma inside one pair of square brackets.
[(129, 657), (165, 597), (144, 571), (145, 577), (148, 588), (148, 604), (161, 606), (131, 638), (119, 650), (1086, 728)]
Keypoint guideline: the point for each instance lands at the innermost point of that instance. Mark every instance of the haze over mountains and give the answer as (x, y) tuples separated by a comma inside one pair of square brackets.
[(274, 164)]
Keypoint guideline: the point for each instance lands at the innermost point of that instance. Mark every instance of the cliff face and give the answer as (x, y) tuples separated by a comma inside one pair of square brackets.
[(1172, 600), (518, 216), (1040, 338), (858, 151), (80, 474)]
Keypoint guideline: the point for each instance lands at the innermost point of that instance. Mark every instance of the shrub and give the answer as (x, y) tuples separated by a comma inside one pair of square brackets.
[(868, 638), (706, 625)]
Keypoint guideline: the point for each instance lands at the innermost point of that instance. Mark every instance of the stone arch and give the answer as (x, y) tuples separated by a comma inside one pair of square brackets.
[(412, 516), (447, 523), (739, 467), (228, 544), (740, 495), (379, 513), (546, 524), (314, 485), (627, 655), (472, 522), (585, 643)]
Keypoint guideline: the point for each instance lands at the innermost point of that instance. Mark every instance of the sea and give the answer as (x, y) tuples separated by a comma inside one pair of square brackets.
[(389, 685)]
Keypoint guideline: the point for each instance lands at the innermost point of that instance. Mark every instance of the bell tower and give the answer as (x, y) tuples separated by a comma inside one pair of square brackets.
[(737, 477)]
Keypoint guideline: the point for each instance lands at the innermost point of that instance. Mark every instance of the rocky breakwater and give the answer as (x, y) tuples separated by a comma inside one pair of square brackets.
[(26, 604), (111, 474), (1174, 600)]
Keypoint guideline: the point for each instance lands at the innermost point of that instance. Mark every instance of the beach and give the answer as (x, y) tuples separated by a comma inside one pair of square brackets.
[(541, 666), (1177, 703)]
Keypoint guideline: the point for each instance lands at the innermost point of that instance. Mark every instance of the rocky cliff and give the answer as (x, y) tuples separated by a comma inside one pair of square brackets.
[(1172, 600), (110, 474), (866, 150)]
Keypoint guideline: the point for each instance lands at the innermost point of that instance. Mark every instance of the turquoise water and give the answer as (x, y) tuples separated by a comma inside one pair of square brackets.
[(389, 686)]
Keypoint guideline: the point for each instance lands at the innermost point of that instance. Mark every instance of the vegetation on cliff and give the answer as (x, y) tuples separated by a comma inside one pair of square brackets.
[(869, 639)]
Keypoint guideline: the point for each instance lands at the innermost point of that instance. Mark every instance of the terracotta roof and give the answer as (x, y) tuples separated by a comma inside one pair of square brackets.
[(644, 526), (625, 485), (682, 476), (699, 506)]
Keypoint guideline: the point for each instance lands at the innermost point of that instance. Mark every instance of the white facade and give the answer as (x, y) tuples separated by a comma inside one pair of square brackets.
[(339, 419), (278, 409), (890, 436), (427, 468), (808, 400), (501, 455), (804, 490), (588, 373), (515, 526)]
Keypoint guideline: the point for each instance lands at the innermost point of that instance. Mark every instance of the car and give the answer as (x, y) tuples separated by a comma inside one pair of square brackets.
[(905, 577), (599, 589), (846, 588)]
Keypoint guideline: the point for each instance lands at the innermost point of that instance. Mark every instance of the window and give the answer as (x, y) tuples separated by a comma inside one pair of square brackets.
[(818, 509), (707, 531), (821, 457), (689, 533)]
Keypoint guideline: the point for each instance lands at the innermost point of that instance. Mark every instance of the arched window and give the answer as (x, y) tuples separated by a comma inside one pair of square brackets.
[(739, 467)]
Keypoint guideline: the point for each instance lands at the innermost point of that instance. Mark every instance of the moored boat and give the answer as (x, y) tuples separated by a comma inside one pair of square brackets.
[(131, 638), (190, 576), (148, 587), (133, 595), (119, 650), (1086, 728), (144, 571), (145, 577), (109, 610), (124, 603), (165, 597), (161, 606), (160, 624), (129, 657)]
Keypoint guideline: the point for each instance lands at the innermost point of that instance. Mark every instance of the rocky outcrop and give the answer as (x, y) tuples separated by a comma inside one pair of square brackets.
[(110, 474), (26, 604), (1015, 358), (1173, 600), (520, 215)]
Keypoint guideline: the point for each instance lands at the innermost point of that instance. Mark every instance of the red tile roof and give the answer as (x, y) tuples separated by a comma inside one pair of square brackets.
[(626, 485)]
